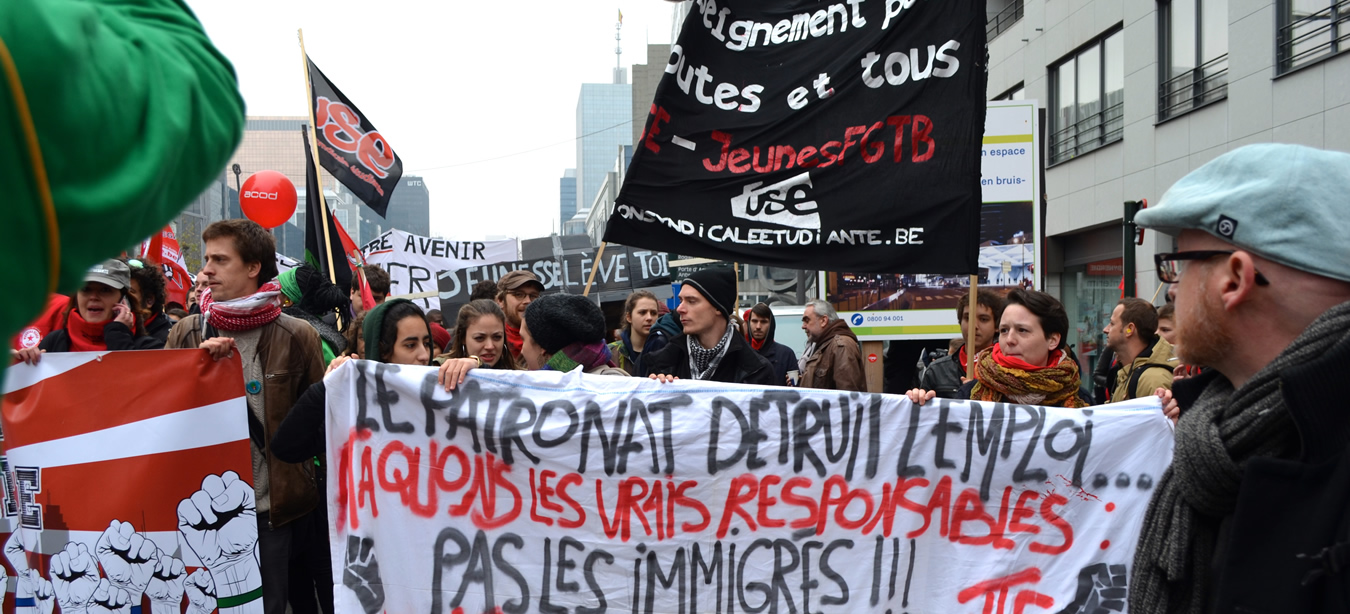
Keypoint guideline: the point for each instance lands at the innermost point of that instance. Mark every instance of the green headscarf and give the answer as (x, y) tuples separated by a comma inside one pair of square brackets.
[(289, 286), (370, 328)]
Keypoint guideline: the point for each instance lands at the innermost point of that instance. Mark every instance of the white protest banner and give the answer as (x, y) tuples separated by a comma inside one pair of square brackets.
[(413, 261), (552, 492)]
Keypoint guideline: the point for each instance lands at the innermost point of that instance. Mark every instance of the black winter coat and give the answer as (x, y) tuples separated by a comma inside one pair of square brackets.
[(159, 327), (301, 435), (780, 356), (741, 364), (943, 376), (1286, 548)]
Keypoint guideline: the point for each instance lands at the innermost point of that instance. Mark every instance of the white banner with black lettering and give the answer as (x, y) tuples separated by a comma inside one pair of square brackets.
[(551, 492), (413, 261)]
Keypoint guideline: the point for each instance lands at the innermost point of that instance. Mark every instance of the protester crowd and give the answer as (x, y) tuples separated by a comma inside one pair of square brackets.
[(1259, 328)]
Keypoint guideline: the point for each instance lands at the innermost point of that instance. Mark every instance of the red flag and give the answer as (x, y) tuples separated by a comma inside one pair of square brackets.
[(49, 321), (163, 249)]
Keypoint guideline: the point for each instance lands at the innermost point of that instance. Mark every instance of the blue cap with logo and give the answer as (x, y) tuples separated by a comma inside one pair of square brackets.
[(1287, 203)]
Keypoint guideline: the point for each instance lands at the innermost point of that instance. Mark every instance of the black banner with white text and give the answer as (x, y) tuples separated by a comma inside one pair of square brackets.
[(621, 269), (800, 133)]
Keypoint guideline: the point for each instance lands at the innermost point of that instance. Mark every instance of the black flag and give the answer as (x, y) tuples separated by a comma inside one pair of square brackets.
[(842, 136), (350, 147), (330, 251)]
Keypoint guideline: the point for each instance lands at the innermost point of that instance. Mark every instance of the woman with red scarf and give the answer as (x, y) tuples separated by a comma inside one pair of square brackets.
[(102, 316), (1029, 364)]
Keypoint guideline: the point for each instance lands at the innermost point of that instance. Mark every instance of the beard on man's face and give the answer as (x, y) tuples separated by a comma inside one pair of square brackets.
[(1201, 338)]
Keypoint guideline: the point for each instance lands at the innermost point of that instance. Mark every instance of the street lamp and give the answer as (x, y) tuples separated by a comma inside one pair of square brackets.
[(238, 190)]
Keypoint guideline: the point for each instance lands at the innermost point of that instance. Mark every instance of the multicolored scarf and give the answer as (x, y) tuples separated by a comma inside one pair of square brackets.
[(1007, 378), (586, 355), (246, 312), (84, 336)]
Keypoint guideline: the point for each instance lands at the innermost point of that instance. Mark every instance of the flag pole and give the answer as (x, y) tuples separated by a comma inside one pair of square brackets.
[(972, 318), (318, 177), (314, 156), (594, 266)]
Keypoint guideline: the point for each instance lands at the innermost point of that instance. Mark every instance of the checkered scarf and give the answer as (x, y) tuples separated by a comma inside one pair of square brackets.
[(246, 312)]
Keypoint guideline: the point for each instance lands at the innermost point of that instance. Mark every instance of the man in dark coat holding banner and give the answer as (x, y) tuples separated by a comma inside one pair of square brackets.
[(710, 349)]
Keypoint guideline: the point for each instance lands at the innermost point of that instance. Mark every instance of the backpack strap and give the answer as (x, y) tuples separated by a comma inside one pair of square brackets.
[(1132, 389)]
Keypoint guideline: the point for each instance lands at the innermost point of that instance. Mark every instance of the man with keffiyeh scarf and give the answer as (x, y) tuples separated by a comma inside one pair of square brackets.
[(1253, 515), (710, 348), (241, 310)]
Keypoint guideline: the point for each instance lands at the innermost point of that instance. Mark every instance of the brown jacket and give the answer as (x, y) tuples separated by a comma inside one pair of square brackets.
[(836, 363), (292, 361)]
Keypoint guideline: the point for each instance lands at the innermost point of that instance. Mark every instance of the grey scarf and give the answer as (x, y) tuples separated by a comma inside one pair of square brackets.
[(702, 361), (1173, 566)]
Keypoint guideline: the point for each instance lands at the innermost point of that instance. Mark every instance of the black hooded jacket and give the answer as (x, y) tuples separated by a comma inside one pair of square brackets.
[(780, 356)]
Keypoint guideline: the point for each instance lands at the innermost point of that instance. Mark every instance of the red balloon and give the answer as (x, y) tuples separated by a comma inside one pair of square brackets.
[(268, 198)]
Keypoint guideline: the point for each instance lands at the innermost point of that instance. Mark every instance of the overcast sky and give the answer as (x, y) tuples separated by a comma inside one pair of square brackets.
[(451, 85)]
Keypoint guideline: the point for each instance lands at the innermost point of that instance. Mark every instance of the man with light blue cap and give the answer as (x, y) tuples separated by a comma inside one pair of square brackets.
[(1254, 513)]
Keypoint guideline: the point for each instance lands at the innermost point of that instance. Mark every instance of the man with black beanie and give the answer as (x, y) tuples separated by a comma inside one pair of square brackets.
[(710, 349)]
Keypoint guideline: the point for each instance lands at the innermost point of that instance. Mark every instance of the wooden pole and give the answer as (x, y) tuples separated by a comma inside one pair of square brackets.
[(972, 319), (314, 157), (594, 267), (736, 277)]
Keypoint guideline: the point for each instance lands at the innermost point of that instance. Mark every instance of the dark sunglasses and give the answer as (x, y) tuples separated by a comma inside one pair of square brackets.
[(1169, 267)]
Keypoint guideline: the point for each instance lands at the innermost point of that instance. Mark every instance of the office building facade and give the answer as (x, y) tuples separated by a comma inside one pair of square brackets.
[(1137, 94), (567, 196), (604, 112)]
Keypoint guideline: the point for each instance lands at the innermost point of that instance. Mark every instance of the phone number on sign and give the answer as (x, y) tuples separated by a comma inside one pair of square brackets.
[(884, 318)]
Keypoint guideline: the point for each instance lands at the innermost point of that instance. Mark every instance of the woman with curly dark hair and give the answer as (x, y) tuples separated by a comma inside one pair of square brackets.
[(147, 286)]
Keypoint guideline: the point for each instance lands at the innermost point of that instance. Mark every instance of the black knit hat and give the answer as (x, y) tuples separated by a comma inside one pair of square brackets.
[(559, 320), (718, 285)]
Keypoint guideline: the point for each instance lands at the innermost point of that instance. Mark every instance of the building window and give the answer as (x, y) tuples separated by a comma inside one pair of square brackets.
[(1001, 15), (1310, 30), (1087, 98), (1194, 53), (1017, 92)]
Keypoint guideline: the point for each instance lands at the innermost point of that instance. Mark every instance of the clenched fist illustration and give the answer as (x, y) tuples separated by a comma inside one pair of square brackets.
[(18, 559), (362, 574), (108, 599), (201, 593), (74, 574), (44, 596), (166, 585), (220, 522), (128, 558)]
